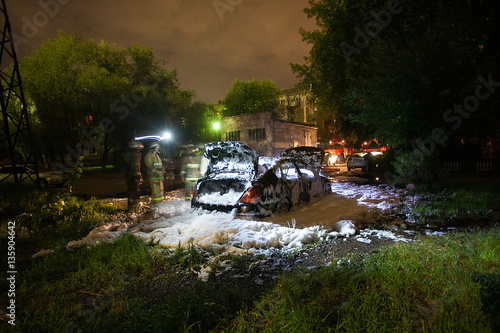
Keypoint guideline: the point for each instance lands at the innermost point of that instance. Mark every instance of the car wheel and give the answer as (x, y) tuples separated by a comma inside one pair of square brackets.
[(282, 207), (304, 197), (42, 183)]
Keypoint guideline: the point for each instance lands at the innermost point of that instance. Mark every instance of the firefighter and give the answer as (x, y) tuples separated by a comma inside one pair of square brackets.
[(133, 176), (156, 174), (191, 170)]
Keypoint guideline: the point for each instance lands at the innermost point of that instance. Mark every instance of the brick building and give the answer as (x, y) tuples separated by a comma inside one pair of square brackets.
[(267, 135)]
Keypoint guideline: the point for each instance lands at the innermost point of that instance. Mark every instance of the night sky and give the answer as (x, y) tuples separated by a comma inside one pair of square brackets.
[(209, 43)]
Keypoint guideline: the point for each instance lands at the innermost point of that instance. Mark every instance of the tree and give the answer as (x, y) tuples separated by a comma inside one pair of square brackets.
[(86, 94), (251, 97), (71, 83), (198, 123), (392, 70)]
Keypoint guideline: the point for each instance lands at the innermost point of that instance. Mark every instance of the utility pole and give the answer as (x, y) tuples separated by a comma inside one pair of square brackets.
[(16, 130)]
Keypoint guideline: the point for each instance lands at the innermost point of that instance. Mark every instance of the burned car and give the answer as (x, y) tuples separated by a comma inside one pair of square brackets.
[(232, 166), (292, 180)]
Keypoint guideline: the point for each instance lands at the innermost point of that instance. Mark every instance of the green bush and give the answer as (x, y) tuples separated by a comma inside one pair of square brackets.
[(416, 167)]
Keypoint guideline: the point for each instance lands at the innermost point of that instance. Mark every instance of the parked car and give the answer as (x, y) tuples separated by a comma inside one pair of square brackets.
[(330, 159), (45, 178), (364, 160), (291, 180)]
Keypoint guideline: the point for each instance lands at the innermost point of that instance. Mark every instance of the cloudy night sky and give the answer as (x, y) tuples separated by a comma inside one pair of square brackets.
[(208, 46)]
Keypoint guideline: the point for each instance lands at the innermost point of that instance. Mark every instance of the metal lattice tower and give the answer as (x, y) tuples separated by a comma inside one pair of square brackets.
[(16, 129)]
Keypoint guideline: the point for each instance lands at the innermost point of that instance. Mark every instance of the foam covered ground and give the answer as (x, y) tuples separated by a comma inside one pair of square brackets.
[(323, 218)]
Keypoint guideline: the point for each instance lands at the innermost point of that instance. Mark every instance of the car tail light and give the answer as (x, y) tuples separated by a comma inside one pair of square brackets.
[(195, 192), (252, 195)]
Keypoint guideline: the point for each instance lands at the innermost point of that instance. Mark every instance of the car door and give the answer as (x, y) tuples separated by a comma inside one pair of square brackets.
[(307, 179), (293, 182)]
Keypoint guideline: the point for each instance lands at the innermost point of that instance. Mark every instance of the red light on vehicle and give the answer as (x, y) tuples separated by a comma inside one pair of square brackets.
[(195, 193), (252, 195)]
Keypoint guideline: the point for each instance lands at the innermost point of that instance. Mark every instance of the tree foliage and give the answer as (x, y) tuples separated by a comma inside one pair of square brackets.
[(392, 69), (251, 97), (85, 94)]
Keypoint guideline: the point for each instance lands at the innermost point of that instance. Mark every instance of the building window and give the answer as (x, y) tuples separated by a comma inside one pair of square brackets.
[(257, 134), (92, 150), (233, 136)]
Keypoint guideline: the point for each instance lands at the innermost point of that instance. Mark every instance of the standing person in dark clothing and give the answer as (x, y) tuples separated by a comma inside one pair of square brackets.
[(133, 176)]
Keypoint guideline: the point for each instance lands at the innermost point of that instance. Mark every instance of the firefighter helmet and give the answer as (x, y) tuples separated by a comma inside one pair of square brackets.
[(135, 144), (154, 144)]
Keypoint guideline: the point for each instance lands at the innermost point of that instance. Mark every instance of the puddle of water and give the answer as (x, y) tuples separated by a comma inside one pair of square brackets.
[(324, 211)]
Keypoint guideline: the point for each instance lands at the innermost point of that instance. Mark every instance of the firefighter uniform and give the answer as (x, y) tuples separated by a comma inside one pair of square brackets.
[(191, 172), (156, 173), (133, 176)]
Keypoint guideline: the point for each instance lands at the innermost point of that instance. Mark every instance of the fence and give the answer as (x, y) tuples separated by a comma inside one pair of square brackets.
[(473, 166)]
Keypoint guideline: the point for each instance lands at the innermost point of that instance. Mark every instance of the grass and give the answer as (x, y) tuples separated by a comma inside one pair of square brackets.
[(97, 168), (126, 285), (46, 219), (457, 204), (437, 284)]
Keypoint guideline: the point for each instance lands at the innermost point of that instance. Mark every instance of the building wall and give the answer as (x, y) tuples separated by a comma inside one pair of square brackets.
[(238, 128), (266, 135), (287, 134)]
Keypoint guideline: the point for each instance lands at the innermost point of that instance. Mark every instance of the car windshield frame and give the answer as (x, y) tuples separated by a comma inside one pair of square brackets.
[(230, 157)]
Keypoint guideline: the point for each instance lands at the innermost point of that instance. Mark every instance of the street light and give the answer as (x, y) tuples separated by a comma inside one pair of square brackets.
[(166, 136), (216, 128)]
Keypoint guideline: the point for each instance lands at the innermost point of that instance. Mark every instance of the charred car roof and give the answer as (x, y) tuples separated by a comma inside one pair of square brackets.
[(309, 155)]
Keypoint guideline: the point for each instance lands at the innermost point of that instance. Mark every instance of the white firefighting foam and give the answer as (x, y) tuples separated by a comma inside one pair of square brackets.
[(178, 224)]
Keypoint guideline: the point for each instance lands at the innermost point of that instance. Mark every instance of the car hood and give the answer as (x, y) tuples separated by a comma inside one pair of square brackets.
[(309, 155), (230, 157)]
